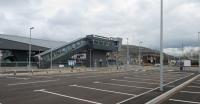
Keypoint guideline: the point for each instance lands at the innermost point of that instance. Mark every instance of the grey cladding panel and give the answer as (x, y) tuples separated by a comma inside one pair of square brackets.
[(13, 45)]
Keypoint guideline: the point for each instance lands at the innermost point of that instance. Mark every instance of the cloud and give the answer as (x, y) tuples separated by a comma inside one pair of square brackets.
[(185, 51), (138, 20)]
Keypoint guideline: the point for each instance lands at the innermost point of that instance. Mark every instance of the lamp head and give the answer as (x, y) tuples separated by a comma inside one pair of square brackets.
[(31, 27)]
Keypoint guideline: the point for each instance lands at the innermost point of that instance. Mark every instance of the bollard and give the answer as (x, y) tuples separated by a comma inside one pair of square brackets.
[(32, 72), (14, 73), (181, 68)]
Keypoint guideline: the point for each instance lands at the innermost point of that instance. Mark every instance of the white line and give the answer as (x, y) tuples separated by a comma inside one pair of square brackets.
[(122, 85), (102, 90), (18, 78), (134, 81), (32, 82), (159, 99), (91, 76), (156, 77), (198, 80), (171, 86), (121, 73), (190, 92), (70, 75), (140, 79), (43, 90), (184, 101), (42, 76), (196, 83), (194, 86), (177, 72), (152, 90)]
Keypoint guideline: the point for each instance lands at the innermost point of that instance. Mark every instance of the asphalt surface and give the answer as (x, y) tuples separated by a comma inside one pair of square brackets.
[(85, 88), (189, 95)]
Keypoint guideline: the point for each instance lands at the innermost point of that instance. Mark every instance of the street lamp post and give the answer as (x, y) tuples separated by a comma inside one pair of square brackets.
[(39, 58), (0, 58), (0, 61), (161, 46), (199, 50), (51, 59), (127, 53), (29, 65), (140, 52), (90, 59)]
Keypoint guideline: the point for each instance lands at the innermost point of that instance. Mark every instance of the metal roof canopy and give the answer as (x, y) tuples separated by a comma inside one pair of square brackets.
[(36, 42)]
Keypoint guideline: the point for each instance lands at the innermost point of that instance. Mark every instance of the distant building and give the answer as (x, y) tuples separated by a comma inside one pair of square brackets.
[(90, 51), (148, 56), (15, 49)]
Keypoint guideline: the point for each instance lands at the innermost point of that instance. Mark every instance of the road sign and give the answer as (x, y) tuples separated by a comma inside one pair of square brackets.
[(187, 63)]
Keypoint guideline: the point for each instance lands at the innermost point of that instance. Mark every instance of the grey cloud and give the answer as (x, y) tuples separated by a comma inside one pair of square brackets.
[(138, 20)]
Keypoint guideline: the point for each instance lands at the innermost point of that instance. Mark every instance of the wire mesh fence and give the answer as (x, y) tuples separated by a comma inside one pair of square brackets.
[(22, 67)]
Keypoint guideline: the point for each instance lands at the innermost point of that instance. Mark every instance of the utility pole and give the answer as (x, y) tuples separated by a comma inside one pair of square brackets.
[(161, 46)]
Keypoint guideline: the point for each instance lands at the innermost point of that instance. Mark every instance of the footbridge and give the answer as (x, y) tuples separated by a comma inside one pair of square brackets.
[(94, 47)]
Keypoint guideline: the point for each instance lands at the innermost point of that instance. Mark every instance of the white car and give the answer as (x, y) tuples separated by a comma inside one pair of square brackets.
[(157, 65)]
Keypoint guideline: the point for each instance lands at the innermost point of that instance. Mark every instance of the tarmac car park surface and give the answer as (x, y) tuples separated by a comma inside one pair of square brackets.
[(84, 88)]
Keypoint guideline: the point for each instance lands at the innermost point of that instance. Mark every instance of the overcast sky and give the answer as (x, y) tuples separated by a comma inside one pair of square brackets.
[(138, 20)]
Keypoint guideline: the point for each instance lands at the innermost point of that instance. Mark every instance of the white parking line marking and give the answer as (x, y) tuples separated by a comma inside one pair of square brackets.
[(194, 86), (32, 82), (184, 101), (122, 85), (163, 96), (42, 76), (165, 75), (177, 72), (198, 80), (68, 75), (171, 86), (133, 81), (140, 79), (190, 92), (152, 89), (91, 76), (53, 93), (156, 77), (18, 78), (102, 90), (196, 83), (122, 73)]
